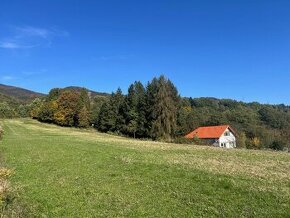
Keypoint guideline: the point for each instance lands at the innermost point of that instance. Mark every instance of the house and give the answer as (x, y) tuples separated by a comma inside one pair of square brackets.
[(219, 136)]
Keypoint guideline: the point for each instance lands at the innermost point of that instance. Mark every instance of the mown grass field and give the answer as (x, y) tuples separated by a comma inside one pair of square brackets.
[(65, 172)]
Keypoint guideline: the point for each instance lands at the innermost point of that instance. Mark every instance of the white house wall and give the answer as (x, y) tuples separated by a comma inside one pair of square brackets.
[(227, 140)]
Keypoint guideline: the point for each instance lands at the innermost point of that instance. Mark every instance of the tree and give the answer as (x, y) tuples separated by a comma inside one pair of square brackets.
[(273, 117), (141, 109), (158, 112), (96, 106), (47, 111), (128, 114), (84, 100), (53, 94), (6, 111), (82, 114), (23, 110), (278, 145), (151, 90), (164, 109), (254, 143), (66, 114), (241, 140), (116, 102), (83, 118), (66, 108), (35, 107), (105, 123), (109, 118)]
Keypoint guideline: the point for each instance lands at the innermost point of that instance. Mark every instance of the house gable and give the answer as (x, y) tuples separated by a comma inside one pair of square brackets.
[(227, 139)]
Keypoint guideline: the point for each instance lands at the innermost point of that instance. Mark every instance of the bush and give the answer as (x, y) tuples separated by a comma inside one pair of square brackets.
[(277, 145), (4, 186), (6, 111), (253, 143)]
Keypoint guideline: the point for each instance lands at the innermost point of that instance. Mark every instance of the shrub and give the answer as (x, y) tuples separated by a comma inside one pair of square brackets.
[(4, 186), (278, 145), (254, 143)]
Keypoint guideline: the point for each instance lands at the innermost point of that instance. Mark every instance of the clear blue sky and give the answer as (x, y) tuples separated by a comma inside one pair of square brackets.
[(237, 49)]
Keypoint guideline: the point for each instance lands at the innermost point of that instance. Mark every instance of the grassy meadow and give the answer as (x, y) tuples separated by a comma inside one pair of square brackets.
[(67, 172)]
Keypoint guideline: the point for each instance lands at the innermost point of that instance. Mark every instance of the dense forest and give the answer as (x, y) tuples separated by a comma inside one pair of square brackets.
[(158, 112)]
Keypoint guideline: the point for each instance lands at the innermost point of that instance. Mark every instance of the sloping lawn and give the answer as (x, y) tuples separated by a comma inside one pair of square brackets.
[(66, 172)]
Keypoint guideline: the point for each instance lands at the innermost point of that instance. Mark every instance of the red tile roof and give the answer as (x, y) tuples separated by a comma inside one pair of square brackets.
[(208, 132)]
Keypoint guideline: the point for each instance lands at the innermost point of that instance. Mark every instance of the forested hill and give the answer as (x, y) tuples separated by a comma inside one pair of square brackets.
[(156, 111), (15, 95), (91, 93), (258, 125), (18, 94)]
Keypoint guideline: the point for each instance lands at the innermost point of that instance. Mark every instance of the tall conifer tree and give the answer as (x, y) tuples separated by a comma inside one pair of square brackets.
[(164, 109)]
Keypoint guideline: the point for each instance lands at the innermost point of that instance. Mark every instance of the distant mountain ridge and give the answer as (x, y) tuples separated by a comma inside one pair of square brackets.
[(92, 93), (17, 94)]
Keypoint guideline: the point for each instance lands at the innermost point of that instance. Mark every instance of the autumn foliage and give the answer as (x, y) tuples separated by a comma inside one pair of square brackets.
[(65, 108)]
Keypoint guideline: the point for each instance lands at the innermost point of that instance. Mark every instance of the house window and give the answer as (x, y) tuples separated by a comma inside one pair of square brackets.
[(227, 133)]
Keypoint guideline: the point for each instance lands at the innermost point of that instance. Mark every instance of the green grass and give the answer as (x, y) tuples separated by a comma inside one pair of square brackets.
[(66, 172)]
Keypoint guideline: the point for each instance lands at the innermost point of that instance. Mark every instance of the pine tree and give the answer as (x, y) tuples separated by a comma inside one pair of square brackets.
[(141, 110), (129, 112), (84, 99), (132, 113), (104, 123), (116, 102), (151, 90), (96, 106), (164, 109), (83, 118), (110, 118)]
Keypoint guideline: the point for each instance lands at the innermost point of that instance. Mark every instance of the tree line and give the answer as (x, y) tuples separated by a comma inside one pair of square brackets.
[(158, 112), (145, 112)]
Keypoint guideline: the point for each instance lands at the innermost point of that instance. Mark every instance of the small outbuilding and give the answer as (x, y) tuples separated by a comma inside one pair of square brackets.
[(220, 136)]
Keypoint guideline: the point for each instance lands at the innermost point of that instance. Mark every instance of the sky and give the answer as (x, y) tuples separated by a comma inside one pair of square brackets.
[(225, 49)]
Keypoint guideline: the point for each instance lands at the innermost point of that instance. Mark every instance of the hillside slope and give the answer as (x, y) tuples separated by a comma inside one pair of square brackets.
[(91, 93), (81, 173), (9, 100), (19, 94)]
